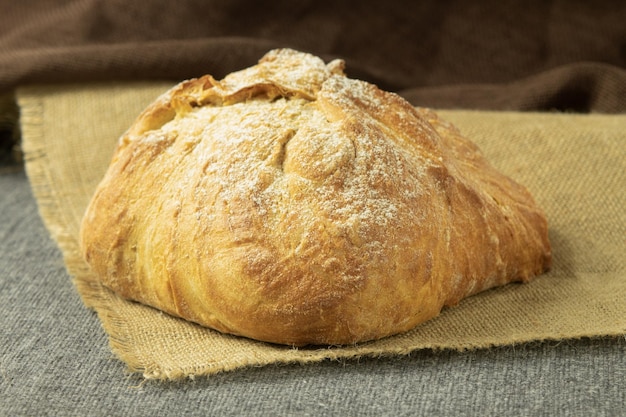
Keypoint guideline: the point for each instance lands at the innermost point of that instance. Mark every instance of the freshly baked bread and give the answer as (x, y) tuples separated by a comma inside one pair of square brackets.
[(291, 204)]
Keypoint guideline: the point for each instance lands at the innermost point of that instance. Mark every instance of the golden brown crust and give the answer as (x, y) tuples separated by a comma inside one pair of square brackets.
[(291, 204)]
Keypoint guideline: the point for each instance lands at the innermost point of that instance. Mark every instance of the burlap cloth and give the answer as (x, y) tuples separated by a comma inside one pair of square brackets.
[(575, 166)]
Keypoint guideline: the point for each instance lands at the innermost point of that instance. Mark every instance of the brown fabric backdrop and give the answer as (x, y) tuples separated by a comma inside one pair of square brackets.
[(535, 55), (503, 55)]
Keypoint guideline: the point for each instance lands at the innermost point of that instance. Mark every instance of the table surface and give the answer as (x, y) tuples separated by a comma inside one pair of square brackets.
[(55, 360)]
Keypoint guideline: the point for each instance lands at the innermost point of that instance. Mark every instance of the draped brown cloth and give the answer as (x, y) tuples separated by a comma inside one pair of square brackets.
[(553, 55), (557, 55)]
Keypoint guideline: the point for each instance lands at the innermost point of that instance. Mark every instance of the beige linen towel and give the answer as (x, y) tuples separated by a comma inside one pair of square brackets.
[(574, 165)]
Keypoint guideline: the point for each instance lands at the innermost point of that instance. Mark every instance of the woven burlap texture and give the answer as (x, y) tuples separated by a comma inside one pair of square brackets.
[(574, 165)]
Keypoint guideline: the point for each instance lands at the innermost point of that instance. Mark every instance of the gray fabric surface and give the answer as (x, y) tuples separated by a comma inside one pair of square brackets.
[(54, 360)]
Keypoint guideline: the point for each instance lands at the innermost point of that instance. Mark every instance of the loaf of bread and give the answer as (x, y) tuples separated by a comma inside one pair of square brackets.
[(291, 204)]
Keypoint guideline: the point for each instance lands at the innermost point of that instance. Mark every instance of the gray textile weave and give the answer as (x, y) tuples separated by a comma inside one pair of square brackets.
[(54, 360)]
